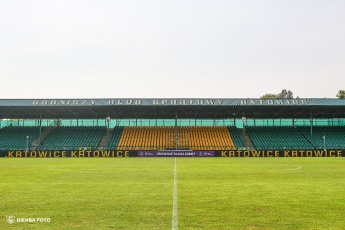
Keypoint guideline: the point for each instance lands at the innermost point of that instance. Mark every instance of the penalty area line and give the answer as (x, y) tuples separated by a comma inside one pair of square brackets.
[(297, 167), (175, 210), (291, 168)]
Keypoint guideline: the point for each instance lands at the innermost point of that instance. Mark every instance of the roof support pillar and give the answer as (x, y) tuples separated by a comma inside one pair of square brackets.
[(176, 131), (40, 131), (311, 123)]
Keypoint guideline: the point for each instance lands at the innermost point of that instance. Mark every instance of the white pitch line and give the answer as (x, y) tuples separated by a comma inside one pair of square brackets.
[(175, 210), (291, 169), (296, 167)]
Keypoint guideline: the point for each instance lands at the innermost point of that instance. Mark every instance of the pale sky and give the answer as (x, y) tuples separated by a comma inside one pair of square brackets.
[(171, 49)]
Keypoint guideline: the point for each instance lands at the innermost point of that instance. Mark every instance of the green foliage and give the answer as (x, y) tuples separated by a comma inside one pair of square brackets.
[(269, 96), (341, 94), (284, 94), (287, 94)]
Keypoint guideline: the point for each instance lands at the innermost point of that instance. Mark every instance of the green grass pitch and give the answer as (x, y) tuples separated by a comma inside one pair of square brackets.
[(137, 193)]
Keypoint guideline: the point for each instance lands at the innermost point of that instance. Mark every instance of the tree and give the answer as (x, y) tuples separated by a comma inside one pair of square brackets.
[(341, 94), (268, 96), (289, 95), (284, 94)]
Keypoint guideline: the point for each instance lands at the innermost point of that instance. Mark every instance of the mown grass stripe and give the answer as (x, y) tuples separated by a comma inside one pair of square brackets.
[(175, 209)]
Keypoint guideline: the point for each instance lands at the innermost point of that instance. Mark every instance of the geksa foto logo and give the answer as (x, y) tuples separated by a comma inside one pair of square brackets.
[(10, 219)]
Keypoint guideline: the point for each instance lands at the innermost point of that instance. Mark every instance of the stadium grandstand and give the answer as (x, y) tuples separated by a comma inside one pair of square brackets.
[(171, 124)]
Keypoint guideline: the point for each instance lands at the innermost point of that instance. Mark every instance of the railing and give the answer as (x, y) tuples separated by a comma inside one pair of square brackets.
[(86, 148)]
